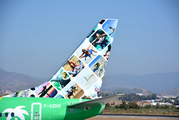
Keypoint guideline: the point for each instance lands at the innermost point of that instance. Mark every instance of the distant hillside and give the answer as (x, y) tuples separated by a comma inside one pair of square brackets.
[(16, 82), (140, 90), (157, 83), (174, 92), (128, 91)]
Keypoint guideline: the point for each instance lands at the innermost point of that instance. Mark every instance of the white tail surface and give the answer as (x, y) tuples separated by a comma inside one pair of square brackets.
[(82, 74)]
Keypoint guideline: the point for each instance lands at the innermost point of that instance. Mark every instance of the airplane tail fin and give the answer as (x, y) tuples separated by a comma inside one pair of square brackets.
[(82, 74)]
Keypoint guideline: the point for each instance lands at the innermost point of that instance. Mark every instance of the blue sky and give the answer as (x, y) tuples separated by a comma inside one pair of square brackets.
[(36, 37)]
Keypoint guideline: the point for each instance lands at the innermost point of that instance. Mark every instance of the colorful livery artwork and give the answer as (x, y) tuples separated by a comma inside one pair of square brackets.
[(81, 75)]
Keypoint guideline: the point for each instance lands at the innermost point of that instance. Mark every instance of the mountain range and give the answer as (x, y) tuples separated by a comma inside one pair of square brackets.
[(16, 81), (128, 91), (157, 83), (162, 83)]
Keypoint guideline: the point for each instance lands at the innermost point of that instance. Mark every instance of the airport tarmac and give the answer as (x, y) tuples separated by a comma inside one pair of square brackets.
[(132, 117)]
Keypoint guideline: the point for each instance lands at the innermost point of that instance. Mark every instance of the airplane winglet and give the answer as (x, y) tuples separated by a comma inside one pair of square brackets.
[(94, 102)]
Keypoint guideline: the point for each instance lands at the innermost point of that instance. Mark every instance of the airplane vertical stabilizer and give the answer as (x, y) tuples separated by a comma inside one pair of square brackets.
[(81, 76)]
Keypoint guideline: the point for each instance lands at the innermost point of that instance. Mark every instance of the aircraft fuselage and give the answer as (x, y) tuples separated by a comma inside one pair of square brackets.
[(44, 108)]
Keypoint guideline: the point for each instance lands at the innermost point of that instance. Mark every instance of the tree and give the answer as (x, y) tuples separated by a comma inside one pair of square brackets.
[(124, 105), (133, 105), (147, 106), (157, 106), (176, 102), (117, 106), (107, 106), (154, 96)]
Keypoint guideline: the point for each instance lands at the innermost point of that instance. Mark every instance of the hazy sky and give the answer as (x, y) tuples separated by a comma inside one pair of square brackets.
[(36, 37)]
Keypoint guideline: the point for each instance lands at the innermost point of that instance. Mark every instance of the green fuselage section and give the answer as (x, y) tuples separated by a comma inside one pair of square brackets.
[(44, 108)]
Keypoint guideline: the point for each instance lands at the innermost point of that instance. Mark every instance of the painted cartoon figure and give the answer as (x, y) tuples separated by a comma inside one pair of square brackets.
[(87, 52), (76, 68), (61, 82), (101, 40), (18, 111), (113, 30)]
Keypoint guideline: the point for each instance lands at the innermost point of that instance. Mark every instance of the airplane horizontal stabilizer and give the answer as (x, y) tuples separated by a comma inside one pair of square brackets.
[(94, 102)]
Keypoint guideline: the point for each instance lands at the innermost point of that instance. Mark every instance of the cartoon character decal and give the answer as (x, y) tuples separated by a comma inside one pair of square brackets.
[(18, 112)]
